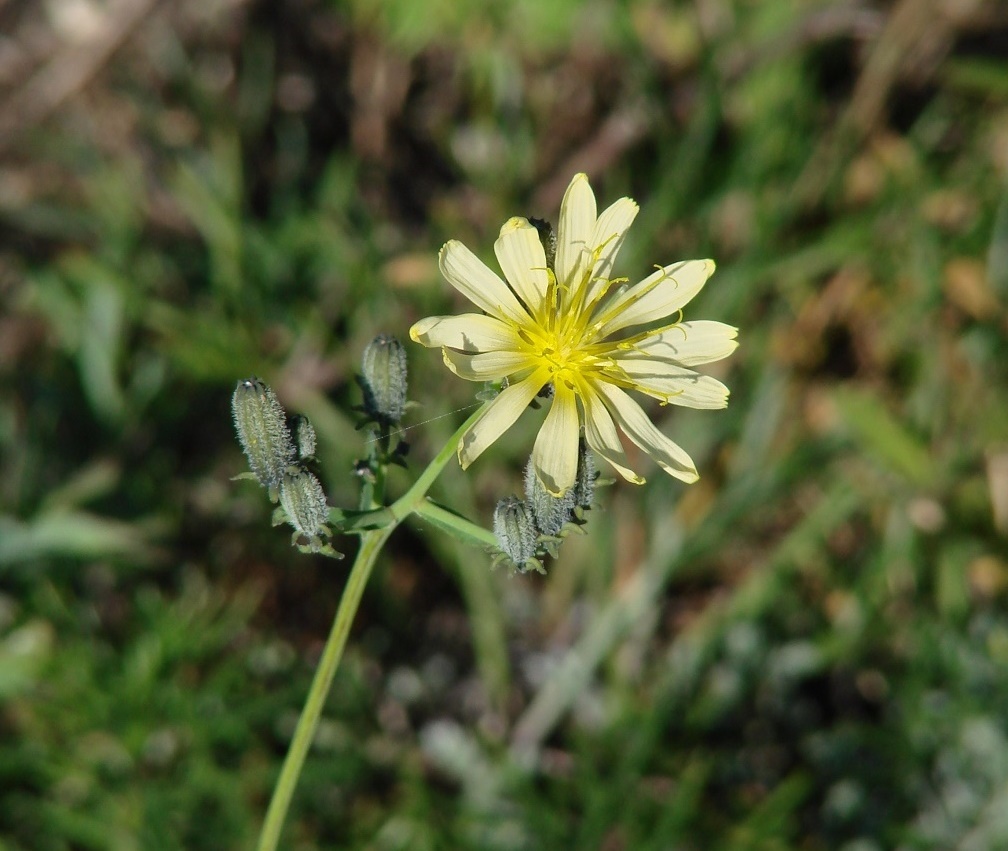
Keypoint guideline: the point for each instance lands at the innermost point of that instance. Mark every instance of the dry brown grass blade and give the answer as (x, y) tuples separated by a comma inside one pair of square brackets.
[(916, 38), (69, 71)]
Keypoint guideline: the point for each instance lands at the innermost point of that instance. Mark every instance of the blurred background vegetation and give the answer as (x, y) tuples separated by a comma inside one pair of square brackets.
[(808, 649)]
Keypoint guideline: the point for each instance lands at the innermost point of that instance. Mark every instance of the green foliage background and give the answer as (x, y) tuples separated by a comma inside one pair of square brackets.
[(808, 649)]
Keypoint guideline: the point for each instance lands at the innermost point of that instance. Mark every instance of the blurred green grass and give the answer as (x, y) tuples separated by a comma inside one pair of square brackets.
[(807, 649)]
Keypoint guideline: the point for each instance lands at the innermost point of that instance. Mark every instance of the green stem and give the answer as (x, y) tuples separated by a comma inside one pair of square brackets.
[(371, 544), (409, 501), (451, 522)]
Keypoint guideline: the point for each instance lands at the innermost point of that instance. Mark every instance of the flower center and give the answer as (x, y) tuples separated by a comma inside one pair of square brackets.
[(562, 355)]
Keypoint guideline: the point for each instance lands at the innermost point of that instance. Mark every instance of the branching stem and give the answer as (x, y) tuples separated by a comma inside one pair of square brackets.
[(413, 501)]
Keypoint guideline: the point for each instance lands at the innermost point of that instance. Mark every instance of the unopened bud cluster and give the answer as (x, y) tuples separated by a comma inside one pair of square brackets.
[(265, 437), (528, 528)]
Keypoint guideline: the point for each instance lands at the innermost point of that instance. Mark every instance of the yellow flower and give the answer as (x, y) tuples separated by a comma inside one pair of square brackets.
[(570, 327)]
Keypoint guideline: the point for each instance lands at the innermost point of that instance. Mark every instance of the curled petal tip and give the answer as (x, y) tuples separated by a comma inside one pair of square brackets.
[(514, 223)]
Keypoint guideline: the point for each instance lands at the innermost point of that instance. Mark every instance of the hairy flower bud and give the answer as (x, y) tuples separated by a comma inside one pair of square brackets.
[(262, 431), (550, 512), (548, 238), (384, 379), (304, 502), (306, 441), (515, 531), (587, 473)]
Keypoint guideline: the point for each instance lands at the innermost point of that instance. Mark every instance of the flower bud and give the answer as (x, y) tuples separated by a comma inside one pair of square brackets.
[(515, 531), (262, 431), (550, 512), (384, 379), (304, 502), (587, 473), (306, 441), (547, 236)]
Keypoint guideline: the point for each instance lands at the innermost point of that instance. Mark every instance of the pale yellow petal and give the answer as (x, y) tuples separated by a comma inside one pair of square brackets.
[(657, 296), (600, 432), (674, 384), (468, 332), (574, 232), (521, 257), (498, 416), (471, 277), (555, 453), (689, 343), (486, 366), (635, 424), (607, 239)]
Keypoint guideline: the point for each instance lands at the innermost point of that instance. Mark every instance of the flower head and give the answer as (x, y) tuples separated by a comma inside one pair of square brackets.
[(574, 327)]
